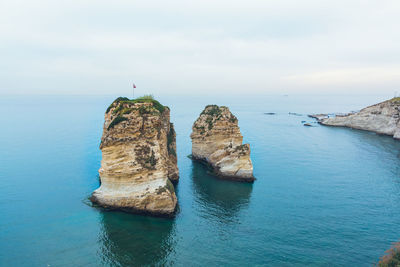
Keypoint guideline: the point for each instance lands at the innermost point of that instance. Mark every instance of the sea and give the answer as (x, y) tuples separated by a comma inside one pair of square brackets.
[(324, 196)]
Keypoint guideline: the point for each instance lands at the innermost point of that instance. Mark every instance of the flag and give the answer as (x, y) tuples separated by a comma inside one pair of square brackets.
[(134, 86)]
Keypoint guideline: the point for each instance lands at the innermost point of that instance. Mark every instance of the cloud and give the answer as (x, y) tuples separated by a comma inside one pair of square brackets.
[(345, 78), (191, 46)]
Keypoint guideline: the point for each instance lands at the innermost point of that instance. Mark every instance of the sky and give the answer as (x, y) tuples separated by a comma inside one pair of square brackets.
[(200, 47)]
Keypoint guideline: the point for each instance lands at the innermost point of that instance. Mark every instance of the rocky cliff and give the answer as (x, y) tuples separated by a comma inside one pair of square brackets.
[(138, 158), (216, 140), (382, 118)]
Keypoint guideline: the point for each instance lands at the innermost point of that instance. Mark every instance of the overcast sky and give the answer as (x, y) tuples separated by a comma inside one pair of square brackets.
[(204, 46)]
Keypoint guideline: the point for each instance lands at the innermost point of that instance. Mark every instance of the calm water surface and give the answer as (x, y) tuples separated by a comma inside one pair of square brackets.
[(323, 196)]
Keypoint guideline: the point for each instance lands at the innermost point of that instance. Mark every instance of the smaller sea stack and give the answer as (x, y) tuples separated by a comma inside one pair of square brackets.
[(217, 141)]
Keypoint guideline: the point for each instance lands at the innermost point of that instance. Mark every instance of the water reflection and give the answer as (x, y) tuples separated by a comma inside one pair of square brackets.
[(130, 240), (219, 198)]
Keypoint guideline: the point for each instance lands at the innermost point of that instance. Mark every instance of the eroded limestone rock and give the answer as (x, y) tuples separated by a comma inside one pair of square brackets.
[(216, 140), (381, 118), (138, 158)]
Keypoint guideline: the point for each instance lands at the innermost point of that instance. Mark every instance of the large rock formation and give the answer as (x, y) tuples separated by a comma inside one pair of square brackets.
[(216, 140), (139, 158), (382, 118)]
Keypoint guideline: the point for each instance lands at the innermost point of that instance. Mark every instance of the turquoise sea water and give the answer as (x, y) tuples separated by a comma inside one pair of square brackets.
[(323, 196)]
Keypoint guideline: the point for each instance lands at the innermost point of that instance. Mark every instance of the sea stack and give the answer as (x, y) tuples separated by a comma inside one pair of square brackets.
[(381, 118), (217, 141), (138, 158)]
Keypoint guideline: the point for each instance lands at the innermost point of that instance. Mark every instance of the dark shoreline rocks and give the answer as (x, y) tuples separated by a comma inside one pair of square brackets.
[(295, 114)]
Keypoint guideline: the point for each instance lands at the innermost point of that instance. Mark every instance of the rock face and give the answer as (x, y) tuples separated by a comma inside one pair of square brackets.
[(216, 140), (138, 158), (382, 118)]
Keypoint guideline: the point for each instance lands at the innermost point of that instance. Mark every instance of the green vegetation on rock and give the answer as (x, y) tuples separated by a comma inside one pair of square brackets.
[(149, 99), (233, 119), (127, 111), (212, 110), (143, 99), (142, 153), (148, 110), (209, 121), (121, 109), (118, 109), (169, 187), (116, 121), (152, 159), (201, 128), (119, 99), (392, 257), (170, 140), (214, 113)]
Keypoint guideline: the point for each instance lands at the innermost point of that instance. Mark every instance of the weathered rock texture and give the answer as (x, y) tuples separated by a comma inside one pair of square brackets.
[(382, 118), (138, 158), (216, 140)]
